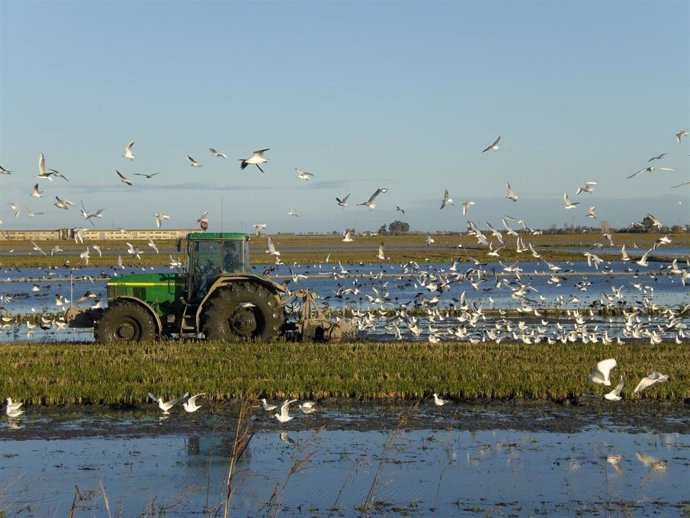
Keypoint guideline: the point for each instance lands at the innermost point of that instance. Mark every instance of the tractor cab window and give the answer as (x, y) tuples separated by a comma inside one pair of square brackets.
[(232, 258), (208, 265)]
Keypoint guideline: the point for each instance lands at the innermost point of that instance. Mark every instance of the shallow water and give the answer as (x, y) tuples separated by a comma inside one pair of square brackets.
[(419, 461)]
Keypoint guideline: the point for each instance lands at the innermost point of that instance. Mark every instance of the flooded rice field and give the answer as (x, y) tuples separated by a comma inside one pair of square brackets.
[(430, 301), (352, 459)]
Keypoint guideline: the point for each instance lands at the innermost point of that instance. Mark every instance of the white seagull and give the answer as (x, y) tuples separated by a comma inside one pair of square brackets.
[(193, 162), (615, 394), (447, 200), (13, 409), (272, 248), (466, 206), (123, 178), (42, 171), (680, 135), (651, 169), (160, 218), (35, 192), (654, 377), (189, 403), (370, 202), (567, 203), (266, 405), (591, 213), (600, 375), (587, 187), (283, 416), (308, 407), (493, 146), (343, 201), (303, 175), (5, 171), (128, 151), (217, 153), (438, 401), (256, 159), (147, 175), (510, 194), (165, 406)]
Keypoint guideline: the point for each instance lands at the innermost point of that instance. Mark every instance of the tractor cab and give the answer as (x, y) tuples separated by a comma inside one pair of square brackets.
[(211, 255)]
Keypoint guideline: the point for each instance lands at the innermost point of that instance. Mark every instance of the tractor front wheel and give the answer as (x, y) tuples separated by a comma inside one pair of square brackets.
[(242, 312), (125, 321)]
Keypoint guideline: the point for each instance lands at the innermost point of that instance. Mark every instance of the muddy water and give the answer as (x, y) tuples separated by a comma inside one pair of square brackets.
[(588, 458)]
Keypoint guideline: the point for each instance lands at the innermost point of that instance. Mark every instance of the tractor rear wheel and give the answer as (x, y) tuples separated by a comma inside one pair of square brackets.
[(243, 311), (125, 321)]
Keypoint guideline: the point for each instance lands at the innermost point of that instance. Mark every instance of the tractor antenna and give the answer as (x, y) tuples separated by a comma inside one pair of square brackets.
[(221, 214)]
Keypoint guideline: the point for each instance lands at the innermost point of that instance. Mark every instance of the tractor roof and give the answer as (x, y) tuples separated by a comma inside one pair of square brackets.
[(217, 235)]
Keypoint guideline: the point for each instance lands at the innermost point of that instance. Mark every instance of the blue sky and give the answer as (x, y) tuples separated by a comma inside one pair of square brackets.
[(402, 95)]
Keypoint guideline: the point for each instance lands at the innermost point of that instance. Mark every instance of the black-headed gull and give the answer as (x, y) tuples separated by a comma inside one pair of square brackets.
[(600, 374), (189, 403), (493, 146), (193, 162), (123, 178), (256, 159), (343, 201), (615, 394), (370, 202), (165, 406), (283, 416), (217, 153), (128, 151), (647, 381)]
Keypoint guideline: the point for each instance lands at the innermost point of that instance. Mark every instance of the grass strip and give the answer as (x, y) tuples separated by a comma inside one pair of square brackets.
[(58, 373)]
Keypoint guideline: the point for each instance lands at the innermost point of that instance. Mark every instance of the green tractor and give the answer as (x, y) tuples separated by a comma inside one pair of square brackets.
[(216, 298)]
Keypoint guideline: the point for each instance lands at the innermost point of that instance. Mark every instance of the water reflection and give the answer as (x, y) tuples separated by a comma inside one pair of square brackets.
[(445, 470)]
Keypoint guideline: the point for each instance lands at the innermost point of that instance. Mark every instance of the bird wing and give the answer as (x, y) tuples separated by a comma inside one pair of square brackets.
[(260, 152)]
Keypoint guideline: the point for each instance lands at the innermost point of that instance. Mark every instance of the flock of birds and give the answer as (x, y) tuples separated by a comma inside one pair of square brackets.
[(601, 375)]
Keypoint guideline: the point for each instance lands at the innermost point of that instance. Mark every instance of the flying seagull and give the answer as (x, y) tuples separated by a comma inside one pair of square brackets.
[(189, 403), (147, 175), (283, 416), (651, 169), (303, 175), (343, 201), (35, 192), (165, 406), (399, 209), (510, 194), (615, 394), (160, 218), (123, 178), (680, 135), (493, 146), (370, 202), (600, 374), (447, 200), (654, 377), (128, 151), (256, 159), (658, 157), (42, 172), (217, 153), (466, 206), (5, 171), (567, 203), (587, 187), (193, 162)]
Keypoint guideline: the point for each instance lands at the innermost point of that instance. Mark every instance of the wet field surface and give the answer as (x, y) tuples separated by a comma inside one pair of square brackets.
[(582, 457)]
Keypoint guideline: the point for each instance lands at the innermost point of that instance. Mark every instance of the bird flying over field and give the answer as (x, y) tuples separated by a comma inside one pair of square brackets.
[(124, 179), (256, 159), (600, 374), (370, 202), (343, 201), (128, 151), (217, 153), (193, 162)]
